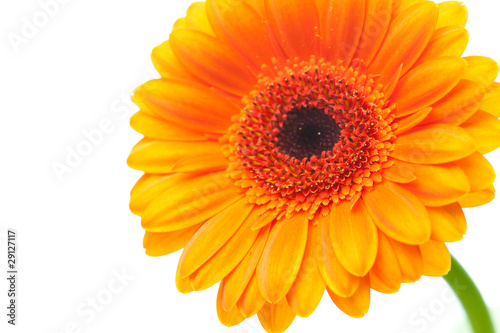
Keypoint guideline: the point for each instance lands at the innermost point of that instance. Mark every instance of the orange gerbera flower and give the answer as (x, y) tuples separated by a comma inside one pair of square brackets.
[(295, 146)]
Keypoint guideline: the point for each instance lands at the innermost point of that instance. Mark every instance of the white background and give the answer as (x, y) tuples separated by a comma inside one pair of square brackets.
[(75, 235)]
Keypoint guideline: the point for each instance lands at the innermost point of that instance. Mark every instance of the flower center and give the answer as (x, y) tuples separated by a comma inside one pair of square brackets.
[(307, 132), (311, 134)]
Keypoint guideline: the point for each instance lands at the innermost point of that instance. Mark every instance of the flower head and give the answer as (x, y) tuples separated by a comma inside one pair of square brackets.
[(296, 146)]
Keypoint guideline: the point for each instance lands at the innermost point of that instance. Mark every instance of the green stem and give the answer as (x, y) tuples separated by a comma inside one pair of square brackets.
[(470, 297)]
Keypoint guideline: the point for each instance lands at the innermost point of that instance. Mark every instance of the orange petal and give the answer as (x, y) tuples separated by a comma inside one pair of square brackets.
[(212, 236), (241, 26), (204, 162), (251, 300), (403, 45), (148, 188), (479, 171), (228, 257), (354, 237), (438, 185), (410, 261), (336, 277), (276, 318), (227, 318), (449, 41), (282, 257), (399, 174), (308, 288), (155, 156), (485, 131), (167, 64), (389, 88), (491, 101), (459, 105), (452, 13), (436, 258), (258, 6), (294, 23), (434, 144), (398, 6), (448, 223), (236, 282), (357, 305), (212, 60), (196, 18), (427, 83), (156, 128), (482, 70), (160, 244), (183, 285), (341, 26), (478, 198), (265, 219), (183, 102), (377, 21), (407, 123), (385, 275), (189, 202), (398, 213)]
